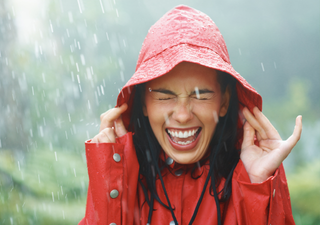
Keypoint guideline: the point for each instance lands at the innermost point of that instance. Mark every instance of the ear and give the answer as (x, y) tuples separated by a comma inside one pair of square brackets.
[(225, 102)]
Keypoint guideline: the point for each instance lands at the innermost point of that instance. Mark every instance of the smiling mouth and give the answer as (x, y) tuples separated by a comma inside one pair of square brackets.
[(185, 137)]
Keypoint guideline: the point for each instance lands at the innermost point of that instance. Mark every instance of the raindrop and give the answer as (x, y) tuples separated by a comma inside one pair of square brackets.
[(41, 131), (66, 134), (215, 116), (89, 106), (106, 34), (55, 155), (74, 171), (70, 20), (117, 12), (19, 165), (196, 89), (148, 155), (139, 123), (239, 51), (101, 7), (39, 178), (52, 196), (31, 133), (95, 38), (77, 67), (79, 45), (78, 78), (262, 66), (83, 61), (67, 29), (102, 90), (51, 26), (43, 78), (79, 6), (198, 165), (275, 65), (63, 214), (166, 118)]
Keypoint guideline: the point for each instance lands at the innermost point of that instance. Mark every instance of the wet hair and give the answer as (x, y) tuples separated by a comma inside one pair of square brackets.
[(222, 157)]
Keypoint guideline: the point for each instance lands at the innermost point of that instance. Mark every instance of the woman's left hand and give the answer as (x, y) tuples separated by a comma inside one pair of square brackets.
[(262, 161)]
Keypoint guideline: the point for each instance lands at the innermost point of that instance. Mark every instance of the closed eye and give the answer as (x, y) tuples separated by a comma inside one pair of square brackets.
[(163, 94), (202, 94)]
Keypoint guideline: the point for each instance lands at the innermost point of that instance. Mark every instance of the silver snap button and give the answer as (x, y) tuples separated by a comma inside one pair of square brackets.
[(178, 172), (169, 161), (114, 193), (113, 224), (116, 157), (274, 192), (172, 223)]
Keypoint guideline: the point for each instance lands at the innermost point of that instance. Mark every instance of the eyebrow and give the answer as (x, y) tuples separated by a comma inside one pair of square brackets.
[(166, 91)]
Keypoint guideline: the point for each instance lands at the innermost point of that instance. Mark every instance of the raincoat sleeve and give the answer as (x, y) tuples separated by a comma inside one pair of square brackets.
[(112, 192), (263, 203)]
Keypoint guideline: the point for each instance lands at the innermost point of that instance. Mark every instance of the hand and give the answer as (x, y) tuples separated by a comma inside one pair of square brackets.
[(111, 125), (262, 161)]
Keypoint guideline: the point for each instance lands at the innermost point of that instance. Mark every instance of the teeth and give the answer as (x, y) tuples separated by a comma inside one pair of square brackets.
[(184, 143), (181, 134)]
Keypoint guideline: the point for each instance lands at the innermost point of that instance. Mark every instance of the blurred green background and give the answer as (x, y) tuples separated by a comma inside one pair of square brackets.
[(62, 63)]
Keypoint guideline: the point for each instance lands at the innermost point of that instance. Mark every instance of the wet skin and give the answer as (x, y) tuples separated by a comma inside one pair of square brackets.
[(183, 107)]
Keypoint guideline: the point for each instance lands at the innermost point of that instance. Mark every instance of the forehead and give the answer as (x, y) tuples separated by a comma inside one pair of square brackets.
[(187, 74)]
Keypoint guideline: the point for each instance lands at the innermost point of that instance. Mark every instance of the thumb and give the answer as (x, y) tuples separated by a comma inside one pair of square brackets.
[(248, 135), (120, 129)]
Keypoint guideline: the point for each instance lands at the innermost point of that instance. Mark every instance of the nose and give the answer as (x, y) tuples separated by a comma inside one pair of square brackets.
[(182, 112)]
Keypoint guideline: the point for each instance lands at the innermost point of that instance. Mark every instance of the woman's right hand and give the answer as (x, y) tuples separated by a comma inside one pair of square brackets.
[(111, 125)]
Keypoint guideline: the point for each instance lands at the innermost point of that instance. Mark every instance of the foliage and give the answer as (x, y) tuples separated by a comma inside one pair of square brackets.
[(43, 187), (305, 193)]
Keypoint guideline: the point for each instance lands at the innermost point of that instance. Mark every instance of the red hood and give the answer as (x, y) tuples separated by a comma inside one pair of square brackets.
[(184, 34)]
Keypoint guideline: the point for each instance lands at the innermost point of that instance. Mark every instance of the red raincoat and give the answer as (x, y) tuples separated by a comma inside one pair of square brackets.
[(114, 195)]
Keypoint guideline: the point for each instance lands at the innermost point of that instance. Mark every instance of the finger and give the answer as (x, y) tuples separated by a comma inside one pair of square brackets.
[(295, 137), (107, 135), (266, 125), (108, 118), (119, 127), (248, 135), (254, 123)]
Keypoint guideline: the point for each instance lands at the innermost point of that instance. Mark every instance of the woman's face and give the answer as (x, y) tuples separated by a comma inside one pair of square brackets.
[(183, 108)]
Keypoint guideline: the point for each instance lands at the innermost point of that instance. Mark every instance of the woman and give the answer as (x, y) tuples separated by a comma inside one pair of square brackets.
[(188, 143)]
